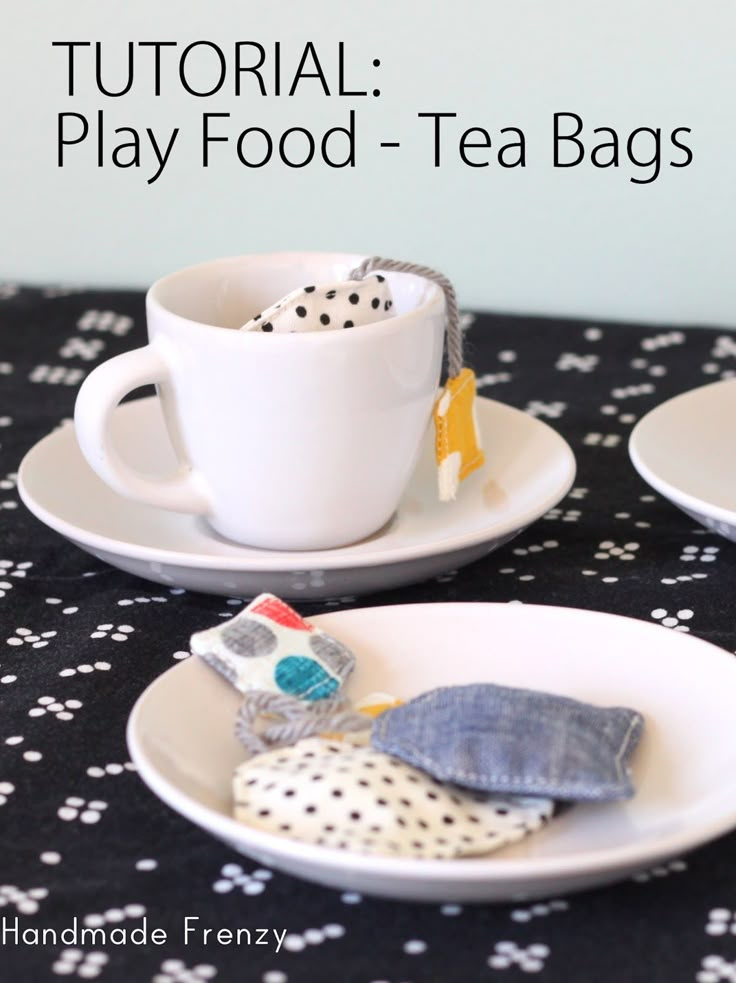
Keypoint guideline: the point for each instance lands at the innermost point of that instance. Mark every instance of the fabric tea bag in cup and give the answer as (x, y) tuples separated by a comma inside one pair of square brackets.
[(299, 440), (346, 304), (365, 298)]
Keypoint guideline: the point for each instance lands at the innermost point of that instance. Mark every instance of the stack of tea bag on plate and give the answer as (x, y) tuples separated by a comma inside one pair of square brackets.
[(457, 771)]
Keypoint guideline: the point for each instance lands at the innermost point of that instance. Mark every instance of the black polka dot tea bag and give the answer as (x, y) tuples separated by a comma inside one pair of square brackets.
[(347, 304), (349, 797)]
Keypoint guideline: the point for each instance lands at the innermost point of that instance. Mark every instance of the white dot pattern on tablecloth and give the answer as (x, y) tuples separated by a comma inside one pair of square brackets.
[(146, 864), (234, 878), (539, 910), (34, 639), (75, 962), (529, 959), (673, 620), (53, 707), (661, 870), (114, 916), (177, 971), (117, 633), (680, 570), (26, 901), (75, 808), (721, 921), (716, 969)]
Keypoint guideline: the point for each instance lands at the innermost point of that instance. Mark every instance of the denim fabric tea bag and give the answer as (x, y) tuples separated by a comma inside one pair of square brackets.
[(501, 739)]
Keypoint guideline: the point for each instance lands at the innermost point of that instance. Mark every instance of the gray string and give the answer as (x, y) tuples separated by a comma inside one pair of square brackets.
[(454, 334), (300, 719)]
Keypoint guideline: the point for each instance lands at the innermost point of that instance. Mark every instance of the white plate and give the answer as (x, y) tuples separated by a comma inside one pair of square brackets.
[(685, 449), (530, 469), (180, 735)]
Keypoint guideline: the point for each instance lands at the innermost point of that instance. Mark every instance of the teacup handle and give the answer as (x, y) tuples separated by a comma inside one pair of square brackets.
[(98, 396)]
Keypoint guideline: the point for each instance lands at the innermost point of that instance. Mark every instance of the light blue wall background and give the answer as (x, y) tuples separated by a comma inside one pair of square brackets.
[(579, 241)]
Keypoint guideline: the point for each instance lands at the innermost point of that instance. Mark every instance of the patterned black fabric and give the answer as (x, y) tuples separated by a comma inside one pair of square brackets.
[(83, 838)]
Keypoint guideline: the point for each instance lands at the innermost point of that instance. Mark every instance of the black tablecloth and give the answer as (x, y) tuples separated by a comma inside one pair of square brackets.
[(83, 837)]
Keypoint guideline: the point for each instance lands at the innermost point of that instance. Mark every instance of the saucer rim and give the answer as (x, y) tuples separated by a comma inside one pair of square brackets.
[(675, 494), (257, 561)]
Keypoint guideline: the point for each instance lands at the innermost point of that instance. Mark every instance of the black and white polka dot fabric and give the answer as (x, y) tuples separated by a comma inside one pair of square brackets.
[(352, 797), (346, 304)]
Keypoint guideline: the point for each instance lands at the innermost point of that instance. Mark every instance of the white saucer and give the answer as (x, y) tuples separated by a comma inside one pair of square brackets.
[(684, 449), (180, 736), (530, 469)]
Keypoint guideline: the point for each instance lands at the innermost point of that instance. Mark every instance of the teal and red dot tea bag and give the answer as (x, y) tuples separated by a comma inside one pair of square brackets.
[(270, 647)]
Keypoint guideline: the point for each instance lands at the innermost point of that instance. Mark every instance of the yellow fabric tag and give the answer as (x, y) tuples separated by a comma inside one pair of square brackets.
[(457, 438), (372, 706)]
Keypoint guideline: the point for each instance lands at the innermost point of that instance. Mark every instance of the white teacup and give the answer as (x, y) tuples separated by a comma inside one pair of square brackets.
[(286, 441)]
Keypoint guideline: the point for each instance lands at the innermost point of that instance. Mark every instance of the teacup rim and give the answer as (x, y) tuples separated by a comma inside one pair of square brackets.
[(435, 296)]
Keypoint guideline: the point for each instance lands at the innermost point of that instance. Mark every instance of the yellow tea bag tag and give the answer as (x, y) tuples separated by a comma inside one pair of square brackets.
[(372, 706), (457, 438), (375, 704)]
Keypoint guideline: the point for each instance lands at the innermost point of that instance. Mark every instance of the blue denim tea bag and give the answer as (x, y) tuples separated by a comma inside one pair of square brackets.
[(500, 739)]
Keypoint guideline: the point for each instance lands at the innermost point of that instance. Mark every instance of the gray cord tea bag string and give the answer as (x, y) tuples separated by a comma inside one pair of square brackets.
[(299, 719), (457, 438), (454, 334)]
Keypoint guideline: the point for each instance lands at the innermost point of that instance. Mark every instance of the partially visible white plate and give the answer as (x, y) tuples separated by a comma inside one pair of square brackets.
[(686, 450), (529, 469), (180, 736)]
